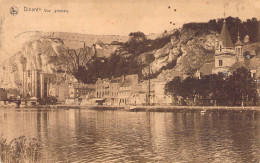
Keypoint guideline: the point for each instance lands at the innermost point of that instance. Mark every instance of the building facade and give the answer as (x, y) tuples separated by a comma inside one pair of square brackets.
[(85, 91), (117, 91)]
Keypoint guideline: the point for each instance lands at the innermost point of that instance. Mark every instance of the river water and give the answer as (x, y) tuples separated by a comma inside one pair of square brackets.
[(118, 136)]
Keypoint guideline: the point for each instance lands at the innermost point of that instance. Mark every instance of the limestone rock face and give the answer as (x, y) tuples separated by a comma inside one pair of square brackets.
[(36, 54), (184, 54), (48, 54)]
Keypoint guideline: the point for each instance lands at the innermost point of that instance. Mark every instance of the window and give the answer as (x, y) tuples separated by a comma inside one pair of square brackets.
[(220, 62), (254, 75)]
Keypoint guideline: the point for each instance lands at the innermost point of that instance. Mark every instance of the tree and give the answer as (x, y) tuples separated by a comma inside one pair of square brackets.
[(213, 87), (241, 85), (137, 36), (249, 27), (174, 87), (78, 60)]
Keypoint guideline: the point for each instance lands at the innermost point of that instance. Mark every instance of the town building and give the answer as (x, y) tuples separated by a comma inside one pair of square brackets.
[(127, 90), (161, 97), (144, 95), (128, 87), (229, 57), (114, 90), (117, 91), (13, 94), (103, 90), (84, 91)]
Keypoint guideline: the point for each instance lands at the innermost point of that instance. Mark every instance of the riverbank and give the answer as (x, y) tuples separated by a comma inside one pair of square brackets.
[(198, 108), (156, 108)]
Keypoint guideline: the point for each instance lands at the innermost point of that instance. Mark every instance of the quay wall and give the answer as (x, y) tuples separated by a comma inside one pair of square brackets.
[(195, 108), (158, 108)]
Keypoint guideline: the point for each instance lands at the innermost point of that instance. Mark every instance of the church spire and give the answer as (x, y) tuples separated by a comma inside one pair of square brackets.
[(224, 12), (225, 37)]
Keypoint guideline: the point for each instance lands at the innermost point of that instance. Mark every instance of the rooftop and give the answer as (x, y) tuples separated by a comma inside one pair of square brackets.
[(126, 83), (237, 64), (207, 68), (249, 64), (225, 37), (239, 43)]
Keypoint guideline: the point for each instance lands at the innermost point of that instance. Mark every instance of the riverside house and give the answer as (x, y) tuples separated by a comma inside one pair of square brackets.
[(117, 91)]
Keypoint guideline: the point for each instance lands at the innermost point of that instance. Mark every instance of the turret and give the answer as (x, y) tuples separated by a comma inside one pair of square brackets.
[(239, 49)]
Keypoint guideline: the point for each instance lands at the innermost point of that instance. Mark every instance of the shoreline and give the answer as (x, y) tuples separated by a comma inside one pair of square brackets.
[(156, 108), (201, 108)]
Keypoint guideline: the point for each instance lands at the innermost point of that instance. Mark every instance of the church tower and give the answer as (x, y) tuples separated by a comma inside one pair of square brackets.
[(225, 54), (31, 83)]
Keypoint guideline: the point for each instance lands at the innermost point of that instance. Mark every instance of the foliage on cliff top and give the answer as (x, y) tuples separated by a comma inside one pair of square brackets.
[(139, 46), (249, 27)]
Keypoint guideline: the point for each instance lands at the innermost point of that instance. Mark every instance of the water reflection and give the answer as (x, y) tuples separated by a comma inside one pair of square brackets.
[(118, 136)]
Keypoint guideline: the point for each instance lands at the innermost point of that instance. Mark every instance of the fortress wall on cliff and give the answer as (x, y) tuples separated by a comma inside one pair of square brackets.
[(73, 40)]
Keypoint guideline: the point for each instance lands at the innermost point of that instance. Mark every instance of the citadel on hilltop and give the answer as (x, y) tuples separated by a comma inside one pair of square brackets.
[(73, 40)]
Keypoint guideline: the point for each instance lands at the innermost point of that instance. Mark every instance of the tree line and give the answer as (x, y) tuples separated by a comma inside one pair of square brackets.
[(249, 27), (240, 88)]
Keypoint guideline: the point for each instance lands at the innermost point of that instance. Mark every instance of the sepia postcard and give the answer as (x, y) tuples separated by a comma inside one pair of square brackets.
[(129, 81)]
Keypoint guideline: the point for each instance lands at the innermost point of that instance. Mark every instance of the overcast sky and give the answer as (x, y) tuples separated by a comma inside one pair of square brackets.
[(118, 17)]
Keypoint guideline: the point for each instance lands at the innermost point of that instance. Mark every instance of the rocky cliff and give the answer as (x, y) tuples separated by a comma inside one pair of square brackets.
[(184, 54), (188, 52), (48, 54), (36, 54)]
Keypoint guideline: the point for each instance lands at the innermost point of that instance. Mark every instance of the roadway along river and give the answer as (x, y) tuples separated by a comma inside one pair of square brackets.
[(119, 136)]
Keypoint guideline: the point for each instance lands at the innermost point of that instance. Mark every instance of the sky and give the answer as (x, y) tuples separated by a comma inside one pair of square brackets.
[(114, 17)]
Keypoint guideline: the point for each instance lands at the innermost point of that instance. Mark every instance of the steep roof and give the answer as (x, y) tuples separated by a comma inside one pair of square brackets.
[(249, 64), (225, 37), (252, 64), (126, 83), (237, 64), (207, 68)]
